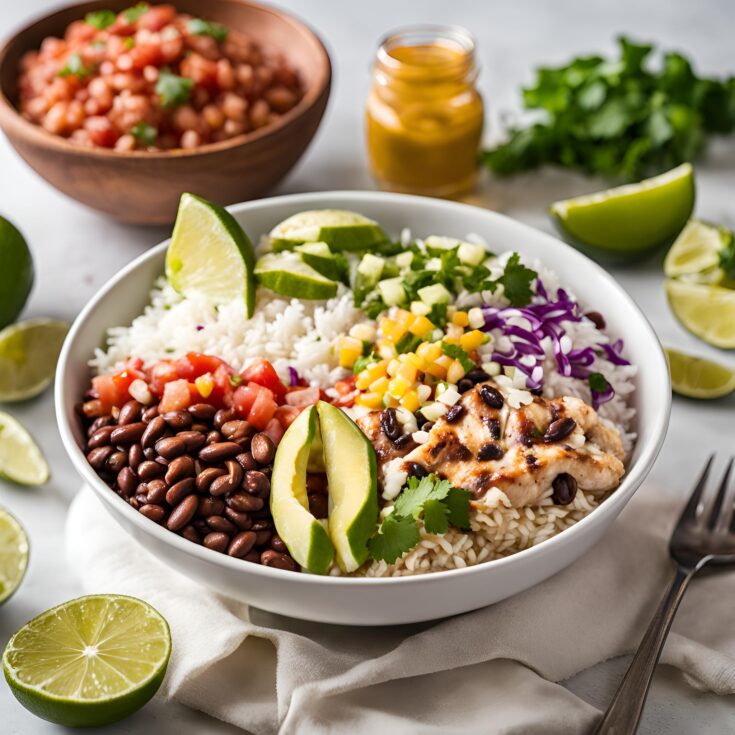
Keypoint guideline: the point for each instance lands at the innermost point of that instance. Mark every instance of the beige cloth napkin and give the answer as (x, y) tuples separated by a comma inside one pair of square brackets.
[(489, 671)]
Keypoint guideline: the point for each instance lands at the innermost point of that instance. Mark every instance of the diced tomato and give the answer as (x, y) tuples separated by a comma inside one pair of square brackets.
[(177, 395), (286, 415), (161, 373), (243, 398), (346, 392), (157, 17), (275, 430), (263, 373), (262, 410), (223, 388), (302, 397), (194, 364), (113, 389)]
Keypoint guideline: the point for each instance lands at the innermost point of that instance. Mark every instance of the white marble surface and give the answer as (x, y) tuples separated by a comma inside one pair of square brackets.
[(76, 250)]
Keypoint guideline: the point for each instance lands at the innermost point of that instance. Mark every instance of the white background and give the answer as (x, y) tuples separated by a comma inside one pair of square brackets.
[(76, 251)]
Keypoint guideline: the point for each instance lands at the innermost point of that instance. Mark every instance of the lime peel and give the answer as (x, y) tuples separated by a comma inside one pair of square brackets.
[(13, 555), (21, 461), (696, 377)]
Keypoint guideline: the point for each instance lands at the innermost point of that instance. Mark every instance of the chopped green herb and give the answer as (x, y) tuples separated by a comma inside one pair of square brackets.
[(438, 314), (621, 118), (173, 90), (457, 353), (598, 383), (199, 27), (458, 505), (129, 42), (362, 362), (396, 536), (517, 280), (408, 343), (133, 14), (74, 67), (436, 516), (100, 19), (145, 133)]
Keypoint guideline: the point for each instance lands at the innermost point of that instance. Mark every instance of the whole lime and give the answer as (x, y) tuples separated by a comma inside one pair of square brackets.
[(16, 272)]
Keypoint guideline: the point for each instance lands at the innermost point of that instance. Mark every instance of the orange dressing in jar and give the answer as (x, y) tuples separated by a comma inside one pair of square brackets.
[(424, 115)]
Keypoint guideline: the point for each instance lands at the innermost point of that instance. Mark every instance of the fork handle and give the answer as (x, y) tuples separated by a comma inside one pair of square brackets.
[(625, 710)]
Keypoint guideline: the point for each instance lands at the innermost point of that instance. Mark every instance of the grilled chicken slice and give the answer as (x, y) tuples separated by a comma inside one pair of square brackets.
[(483, 443)]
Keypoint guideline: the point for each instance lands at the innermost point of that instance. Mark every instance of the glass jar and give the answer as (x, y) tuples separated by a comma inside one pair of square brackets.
[(424, 115)]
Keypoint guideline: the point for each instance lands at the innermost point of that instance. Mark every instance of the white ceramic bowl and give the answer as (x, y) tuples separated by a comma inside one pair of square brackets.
[(360, 601)]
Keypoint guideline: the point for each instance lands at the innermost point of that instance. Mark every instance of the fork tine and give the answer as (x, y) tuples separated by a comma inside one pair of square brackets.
[(689, 514), (717, 503)]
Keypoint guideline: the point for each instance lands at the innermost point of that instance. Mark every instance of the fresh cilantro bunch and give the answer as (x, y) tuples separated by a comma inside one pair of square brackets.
[(621, 118), (435, 501)]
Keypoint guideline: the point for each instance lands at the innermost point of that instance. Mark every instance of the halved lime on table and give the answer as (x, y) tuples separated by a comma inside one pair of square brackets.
[(28, 355), (21, 461), (631, 220), (695, 255), (695, 377), (210, 254), (706, 311), (16, 272), (13, 554), (288, 275), (90, 661), (340, 229)]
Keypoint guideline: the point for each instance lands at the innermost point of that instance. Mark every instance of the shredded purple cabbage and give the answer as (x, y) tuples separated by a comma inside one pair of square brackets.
[(293, 377), (546, 317)]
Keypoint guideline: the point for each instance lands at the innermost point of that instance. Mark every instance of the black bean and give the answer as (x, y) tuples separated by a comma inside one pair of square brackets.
[(98, 423), (127, 481), (270, 558), (559, 429), (223, 416), (565, 489), (193, 440), (236, 429), (221, 524), (216, 541), (477, 375), (206, 477), (129, 413), (177, 492), (464, 385), (253, 556), (246, 461), (493, 426), (100, 438), (92, 409), (244, 502), (171, 447), (155, 512), (263, 530), (213, 437), (210, 507), (224, 484), (219, 452), (150, 413), (262, 448), (491, 396), (278, 545), (135, 456), (256, 483), (242, 520), (490, 451), (156, 490), (316, 482), (596, 318), (389, 423), (178, 420), (241, 544), (455, 413), (99, 456), (128, 434), (182, 513), (417, 470), (116, 461), (191, 534), (428, 426), (202, 411), (318, 505), (149, 470), (179, 468)]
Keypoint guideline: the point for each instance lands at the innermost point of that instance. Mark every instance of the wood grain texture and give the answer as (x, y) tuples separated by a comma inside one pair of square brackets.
[(144, 187)]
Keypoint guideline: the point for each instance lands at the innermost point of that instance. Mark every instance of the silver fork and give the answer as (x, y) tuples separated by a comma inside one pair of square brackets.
[(702, 536)]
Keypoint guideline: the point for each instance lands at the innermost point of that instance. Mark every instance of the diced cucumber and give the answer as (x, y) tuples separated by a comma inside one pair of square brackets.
[(433, 264), (471, 254), (371, 266), (435, 294), (392, 291), (433, 411), (420, 308), (404, 260), (437, 242)]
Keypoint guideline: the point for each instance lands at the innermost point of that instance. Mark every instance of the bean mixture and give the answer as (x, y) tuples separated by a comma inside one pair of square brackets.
[(203, 473), (149, 78)]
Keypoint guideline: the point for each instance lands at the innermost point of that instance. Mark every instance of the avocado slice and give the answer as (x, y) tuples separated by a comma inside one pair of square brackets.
[(353, 487), (304, 536)]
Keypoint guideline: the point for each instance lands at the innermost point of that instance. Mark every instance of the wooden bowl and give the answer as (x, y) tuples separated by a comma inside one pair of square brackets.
[(144, 187)]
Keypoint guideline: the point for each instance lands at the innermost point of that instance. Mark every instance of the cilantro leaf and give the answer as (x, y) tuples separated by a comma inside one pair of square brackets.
[(598, 383), (457, 503), (199, 27), (74, 67), (411, 501), (144, 133), (362, 362), (517, 280), (133, 14), (173, 90), (100, 19), (435, 516), (408, 343), (396, 537), (457, 353)]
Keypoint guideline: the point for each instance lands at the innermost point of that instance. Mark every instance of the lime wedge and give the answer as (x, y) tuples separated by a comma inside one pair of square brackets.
[(89, 661), (210, 254), (339, 228), (706, 311), (28, 355), (288, 275), (16, 272), (13, 554), (21, 460), (697, 250), (696, 377), (629, 220)]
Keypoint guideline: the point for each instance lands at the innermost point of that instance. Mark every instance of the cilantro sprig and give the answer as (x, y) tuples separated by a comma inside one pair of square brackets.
[(457, 353), (144, 133), (173, 90), (134, 13), (621, 118), (74, 67), (437, 502), (100, 19), (199, 27), (516, 281)]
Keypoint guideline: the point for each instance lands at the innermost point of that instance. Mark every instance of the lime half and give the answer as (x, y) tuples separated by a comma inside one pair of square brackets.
[(339, 228), (90, 661), (21, 460), (629, 220), (706, 311), (288, 275), (696, 252), (696, 377), (13, 554), (16, 272), (28, 355), (210, 254)]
